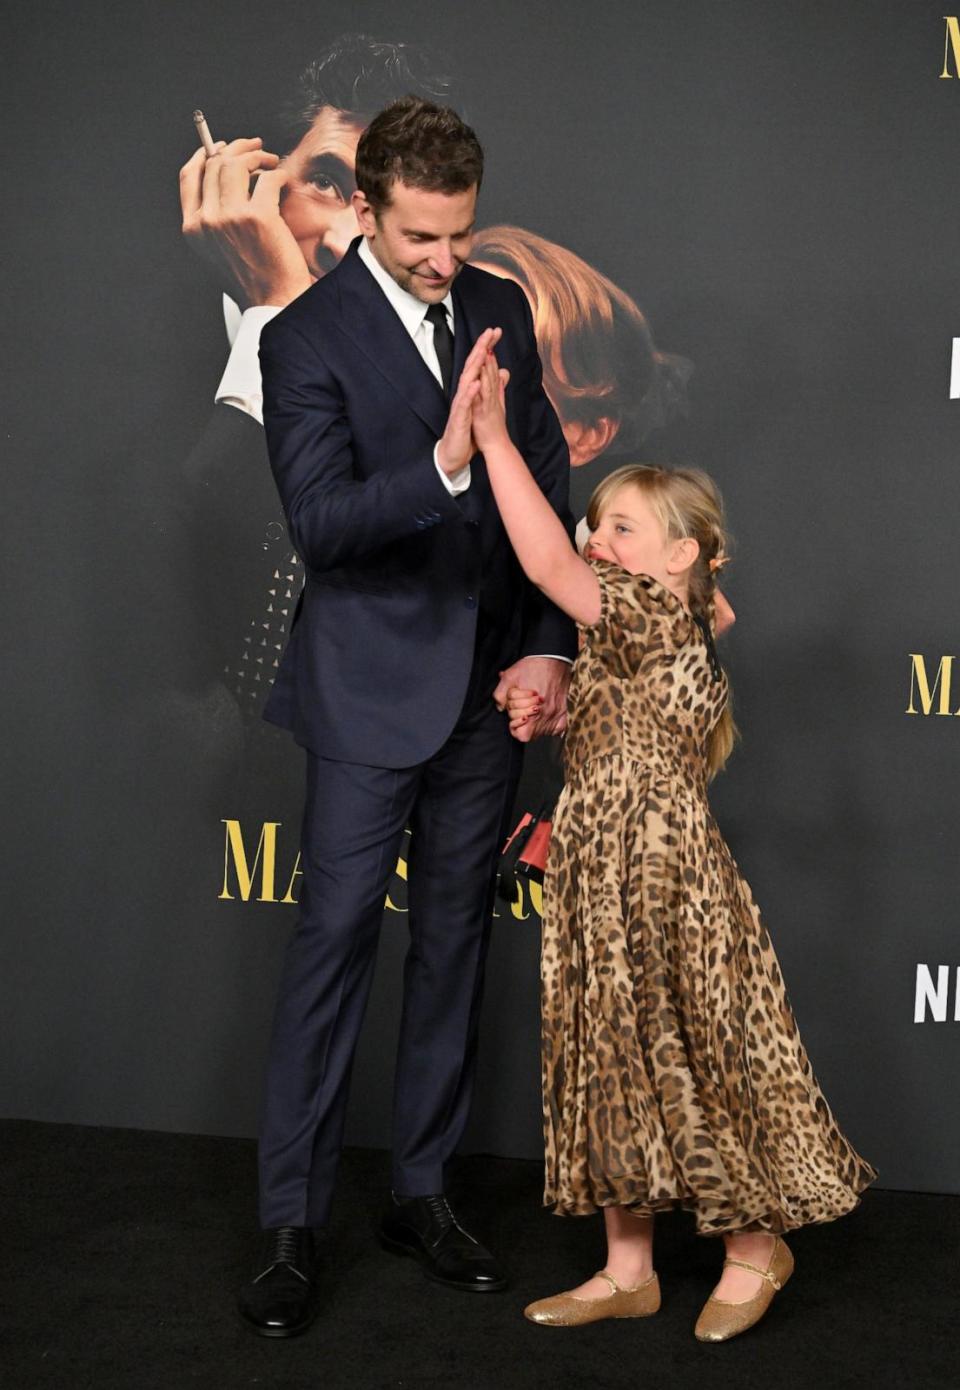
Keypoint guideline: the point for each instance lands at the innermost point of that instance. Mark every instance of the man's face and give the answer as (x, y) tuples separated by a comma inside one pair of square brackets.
[(421, 238), (316, 199)]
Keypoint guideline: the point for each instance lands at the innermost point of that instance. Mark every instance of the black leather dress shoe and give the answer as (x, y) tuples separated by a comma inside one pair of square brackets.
[(426, 1228), (282, 1299)]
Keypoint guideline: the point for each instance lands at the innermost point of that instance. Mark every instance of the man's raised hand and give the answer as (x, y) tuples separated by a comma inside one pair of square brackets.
[(241, 231), (457, 445)]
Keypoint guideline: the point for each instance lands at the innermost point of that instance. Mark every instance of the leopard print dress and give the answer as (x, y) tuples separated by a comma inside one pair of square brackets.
[(673, 1071)]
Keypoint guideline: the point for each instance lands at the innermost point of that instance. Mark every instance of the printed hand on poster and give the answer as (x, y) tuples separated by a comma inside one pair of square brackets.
[(231, 206)]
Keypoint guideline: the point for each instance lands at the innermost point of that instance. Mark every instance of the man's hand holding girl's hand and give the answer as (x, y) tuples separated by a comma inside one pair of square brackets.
[(533, 692), (522, 706)]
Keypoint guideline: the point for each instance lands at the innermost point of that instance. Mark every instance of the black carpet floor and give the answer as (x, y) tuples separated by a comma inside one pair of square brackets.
[(122, 1251)]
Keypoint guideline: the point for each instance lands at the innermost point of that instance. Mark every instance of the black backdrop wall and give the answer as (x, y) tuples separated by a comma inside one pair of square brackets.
[(773, 187)]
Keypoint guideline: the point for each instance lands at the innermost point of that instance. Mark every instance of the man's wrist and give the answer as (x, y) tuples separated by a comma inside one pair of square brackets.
[(444, 463), (455, 482)]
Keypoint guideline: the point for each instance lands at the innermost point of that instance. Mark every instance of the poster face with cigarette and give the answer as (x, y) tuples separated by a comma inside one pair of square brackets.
[(735, 242)]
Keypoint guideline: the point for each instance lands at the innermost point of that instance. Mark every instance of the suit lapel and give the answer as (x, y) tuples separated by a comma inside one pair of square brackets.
[(370, 321)]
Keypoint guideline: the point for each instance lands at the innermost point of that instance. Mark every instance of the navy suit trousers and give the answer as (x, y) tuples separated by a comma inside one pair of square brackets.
[(457, 805)]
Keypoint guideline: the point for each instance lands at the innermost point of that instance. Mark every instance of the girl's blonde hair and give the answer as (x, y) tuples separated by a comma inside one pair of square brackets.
[(687, 503)]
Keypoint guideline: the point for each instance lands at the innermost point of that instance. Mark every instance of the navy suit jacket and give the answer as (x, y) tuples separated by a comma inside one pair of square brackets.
[(397, 570)]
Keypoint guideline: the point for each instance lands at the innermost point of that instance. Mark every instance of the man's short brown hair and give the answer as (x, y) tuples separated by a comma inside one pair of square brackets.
[(420, 144)]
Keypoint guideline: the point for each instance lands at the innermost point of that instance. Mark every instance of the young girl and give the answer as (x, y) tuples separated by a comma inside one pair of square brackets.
[(672, 1067)]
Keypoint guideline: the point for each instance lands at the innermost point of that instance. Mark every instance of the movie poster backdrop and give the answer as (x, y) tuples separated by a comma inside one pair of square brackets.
[(734, 225)]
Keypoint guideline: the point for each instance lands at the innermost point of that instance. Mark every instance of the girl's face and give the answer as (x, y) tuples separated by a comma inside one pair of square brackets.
[(629, 534)]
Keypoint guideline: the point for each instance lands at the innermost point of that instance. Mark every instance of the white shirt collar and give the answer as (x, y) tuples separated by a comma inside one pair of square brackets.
[(412, 311)]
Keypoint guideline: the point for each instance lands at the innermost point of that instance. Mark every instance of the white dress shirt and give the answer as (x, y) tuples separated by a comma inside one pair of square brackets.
[(412, 313), (240, 385)]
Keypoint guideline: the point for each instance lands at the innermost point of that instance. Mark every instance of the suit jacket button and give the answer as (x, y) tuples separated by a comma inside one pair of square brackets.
[(471, 600)]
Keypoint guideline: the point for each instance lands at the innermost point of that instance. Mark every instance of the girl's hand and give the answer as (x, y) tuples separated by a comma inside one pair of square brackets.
[(489, 405), (723, 614), (522, 706)]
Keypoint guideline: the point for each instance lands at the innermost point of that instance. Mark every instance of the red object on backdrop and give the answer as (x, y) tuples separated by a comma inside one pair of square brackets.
[(534, 834)]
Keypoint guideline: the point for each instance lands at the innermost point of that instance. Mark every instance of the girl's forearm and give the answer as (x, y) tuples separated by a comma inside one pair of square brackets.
[(536, 532)]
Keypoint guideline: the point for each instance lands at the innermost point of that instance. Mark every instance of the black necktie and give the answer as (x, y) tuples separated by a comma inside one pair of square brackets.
[(443, 344)]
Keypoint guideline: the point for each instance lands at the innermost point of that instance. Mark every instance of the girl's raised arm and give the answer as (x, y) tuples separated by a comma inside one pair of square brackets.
[(536, 532)]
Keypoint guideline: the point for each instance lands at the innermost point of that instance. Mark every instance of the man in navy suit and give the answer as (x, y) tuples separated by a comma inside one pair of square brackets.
[(415, 618)]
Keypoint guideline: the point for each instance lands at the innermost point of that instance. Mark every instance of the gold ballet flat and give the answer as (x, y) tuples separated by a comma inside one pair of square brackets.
[(563, 1310), (721, 1320)]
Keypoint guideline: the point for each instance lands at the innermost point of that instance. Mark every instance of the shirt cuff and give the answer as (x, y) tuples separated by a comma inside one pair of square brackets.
[(240, 384), (550, 656), (454, 483)]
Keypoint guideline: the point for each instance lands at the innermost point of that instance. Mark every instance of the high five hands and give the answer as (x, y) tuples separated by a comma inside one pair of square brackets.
[(477, 414)]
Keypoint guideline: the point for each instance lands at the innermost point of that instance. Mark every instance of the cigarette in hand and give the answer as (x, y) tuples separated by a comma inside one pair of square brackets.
[(203, 130)]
